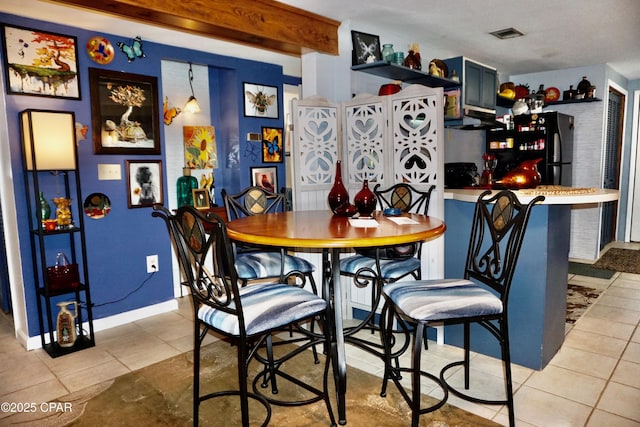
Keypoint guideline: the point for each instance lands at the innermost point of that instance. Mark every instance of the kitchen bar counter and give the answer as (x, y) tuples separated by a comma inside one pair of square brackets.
[(537, 305), (553, 195)]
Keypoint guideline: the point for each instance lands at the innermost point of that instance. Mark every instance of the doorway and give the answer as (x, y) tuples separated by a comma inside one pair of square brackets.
[(612, 161)]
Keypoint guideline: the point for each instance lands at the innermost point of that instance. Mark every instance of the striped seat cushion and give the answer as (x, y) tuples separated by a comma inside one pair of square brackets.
[(261, 265), (391, 269), (433, 300), (266, 307)]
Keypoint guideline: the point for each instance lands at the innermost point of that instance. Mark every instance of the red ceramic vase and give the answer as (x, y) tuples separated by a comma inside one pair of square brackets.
[(338, 195), (365, 200)]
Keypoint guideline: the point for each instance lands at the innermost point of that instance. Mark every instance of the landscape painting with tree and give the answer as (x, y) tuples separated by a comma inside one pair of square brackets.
[(124, 112), (40, 63)]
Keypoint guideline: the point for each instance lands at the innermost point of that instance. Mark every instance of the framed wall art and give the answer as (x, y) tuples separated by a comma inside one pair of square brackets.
[(266, 178), (124, 112), (366, 48), (260, 100), (144, 183), (40, 63), (200, 198), (272, 145)]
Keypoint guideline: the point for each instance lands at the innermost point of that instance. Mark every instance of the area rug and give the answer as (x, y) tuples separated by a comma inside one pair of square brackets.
[(617, 259), (579, 298), (160, 395)]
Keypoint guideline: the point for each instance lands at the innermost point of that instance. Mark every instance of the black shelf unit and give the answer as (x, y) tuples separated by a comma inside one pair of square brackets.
[(72, 239), (409, 75)]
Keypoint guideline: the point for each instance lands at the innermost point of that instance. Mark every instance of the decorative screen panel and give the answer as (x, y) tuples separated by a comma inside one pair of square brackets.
[(314, 151), (364, 130), (414, 127)]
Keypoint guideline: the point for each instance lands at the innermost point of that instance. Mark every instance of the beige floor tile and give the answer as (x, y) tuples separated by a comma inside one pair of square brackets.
[(41, 392), (595, 343), (632, 353), (627, 373), (623, 292), (568, 384), (93, 375), (636, 336), (584, 362), (609, 328), (146, 351), (605, 419), (614, 314), (25, 369), (170, 328), (619, 302), (591, 282), (69, 364), (543, 409), (621, 400), (628, 280)]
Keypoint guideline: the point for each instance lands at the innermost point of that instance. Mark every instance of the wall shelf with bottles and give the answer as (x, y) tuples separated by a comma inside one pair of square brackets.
[(501, 101), (409, 75)]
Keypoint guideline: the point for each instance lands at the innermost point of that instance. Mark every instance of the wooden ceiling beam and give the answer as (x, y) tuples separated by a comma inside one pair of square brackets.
[(258, 23)]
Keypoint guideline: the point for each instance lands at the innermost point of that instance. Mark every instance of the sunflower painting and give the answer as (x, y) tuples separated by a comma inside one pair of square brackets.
[(200, 147)]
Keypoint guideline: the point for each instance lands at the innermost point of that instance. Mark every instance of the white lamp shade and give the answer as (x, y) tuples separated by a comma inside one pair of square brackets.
[(48, 139)]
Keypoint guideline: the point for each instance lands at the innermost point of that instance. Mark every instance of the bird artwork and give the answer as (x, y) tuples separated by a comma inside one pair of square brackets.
[(134, 50), (169, 113)]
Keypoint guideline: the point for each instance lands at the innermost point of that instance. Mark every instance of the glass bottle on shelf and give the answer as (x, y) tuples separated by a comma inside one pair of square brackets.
[(45, 208), (387, 52), (185, 184)]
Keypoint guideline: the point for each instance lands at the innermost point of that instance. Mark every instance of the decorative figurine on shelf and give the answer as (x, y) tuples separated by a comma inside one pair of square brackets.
[(413, 59), (63, 212), (438, 68)]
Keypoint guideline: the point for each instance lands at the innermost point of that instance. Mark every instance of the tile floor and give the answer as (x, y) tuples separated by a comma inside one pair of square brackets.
[(593, 381)]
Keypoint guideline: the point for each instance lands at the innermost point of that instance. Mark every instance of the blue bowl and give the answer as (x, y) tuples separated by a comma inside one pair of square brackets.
[(391, 212)]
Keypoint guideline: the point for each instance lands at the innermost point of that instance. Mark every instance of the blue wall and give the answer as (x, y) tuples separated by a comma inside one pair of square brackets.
[(118, 244)]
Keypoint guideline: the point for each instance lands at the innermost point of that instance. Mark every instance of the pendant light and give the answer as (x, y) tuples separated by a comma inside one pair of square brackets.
[(192, 104)]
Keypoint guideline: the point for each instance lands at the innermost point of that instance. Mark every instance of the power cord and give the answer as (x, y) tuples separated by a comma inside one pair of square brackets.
[(129, 294)]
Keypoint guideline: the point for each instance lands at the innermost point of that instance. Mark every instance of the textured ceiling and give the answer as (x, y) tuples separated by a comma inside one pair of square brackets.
[(559, 34)]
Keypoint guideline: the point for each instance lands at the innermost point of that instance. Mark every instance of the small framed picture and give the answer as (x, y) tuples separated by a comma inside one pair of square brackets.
[(200, 198), (144, 180), (272, 145), (366, 48), (40, 63), (266, 178), (260, 100)]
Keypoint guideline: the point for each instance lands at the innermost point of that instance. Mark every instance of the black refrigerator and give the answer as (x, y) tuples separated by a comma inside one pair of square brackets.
[(546, 136)]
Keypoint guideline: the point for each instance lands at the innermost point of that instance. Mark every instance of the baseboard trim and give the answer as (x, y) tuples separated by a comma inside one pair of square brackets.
[(115, 320)]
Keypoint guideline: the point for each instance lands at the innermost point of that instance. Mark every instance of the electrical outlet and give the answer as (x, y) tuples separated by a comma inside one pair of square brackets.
[(152, 263)]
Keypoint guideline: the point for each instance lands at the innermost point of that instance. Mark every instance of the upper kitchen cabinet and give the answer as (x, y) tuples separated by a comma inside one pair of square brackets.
[(476, 95)]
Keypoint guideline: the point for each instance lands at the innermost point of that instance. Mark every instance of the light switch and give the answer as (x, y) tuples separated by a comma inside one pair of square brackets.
[(109, 172)]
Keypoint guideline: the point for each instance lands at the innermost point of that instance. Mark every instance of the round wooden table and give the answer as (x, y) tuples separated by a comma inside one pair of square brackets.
[(323, 230)]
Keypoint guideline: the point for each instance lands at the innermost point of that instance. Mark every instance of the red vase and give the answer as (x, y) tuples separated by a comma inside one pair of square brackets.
[(338, 195), (365, 200)]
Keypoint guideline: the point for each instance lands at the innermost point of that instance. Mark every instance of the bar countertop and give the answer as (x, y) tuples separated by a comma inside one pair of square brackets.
[(554, 195)]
